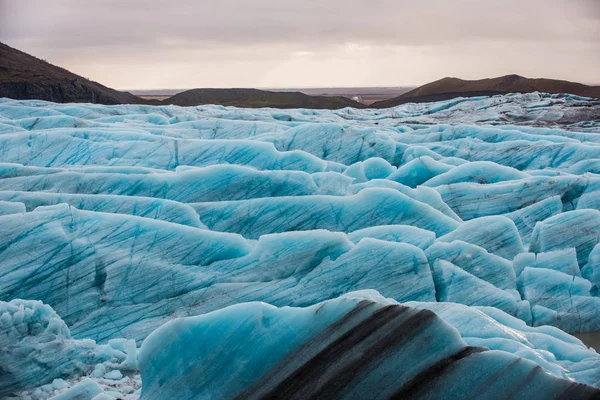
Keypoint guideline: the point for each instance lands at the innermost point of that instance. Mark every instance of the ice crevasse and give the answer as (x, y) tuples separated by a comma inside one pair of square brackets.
[(145, 250)]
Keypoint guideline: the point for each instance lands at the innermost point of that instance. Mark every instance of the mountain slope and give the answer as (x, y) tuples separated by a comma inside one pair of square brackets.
[(254, 98), (26, 77), (448, 88)]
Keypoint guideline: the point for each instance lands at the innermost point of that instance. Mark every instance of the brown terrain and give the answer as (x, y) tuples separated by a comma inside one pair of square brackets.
[(23, 76), (255, 98), (449, 88), (365, 95)]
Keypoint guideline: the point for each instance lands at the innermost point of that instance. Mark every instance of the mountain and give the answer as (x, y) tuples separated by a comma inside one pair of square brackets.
[(23, 77), (448, 88), (255, 98)]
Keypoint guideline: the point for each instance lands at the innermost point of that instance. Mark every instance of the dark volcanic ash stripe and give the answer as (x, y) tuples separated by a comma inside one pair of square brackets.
[(327, 374), (353, 357), (343, 352), (419, 385)]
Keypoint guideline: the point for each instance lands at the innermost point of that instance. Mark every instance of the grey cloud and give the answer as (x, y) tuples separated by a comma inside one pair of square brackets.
[(77, 23), (183, 43)]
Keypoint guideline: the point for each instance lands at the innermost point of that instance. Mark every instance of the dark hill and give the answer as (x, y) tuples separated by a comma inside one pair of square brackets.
[(25, 77), (254, 98), (448, 88)]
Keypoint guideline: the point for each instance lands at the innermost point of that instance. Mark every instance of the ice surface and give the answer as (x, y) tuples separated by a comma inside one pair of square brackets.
[(37, 348), (15, 207), (370, 207), (560, 299), (19, 202), (455, 285), (186, 185), (556, 351), (122, 218), (476, 261), (579, 229), (498, 235), (591, 271), (181, 263), (334, 350), (559, 260), (174, 353), (84, 390), (418, 171), (472, 200), (526, 217), (396, 233)]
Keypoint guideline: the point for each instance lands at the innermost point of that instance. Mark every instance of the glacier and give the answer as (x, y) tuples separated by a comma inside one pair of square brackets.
[(216, 252), (318, 352)]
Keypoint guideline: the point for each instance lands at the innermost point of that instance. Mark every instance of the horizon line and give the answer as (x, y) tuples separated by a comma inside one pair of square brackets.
[(311, 87)]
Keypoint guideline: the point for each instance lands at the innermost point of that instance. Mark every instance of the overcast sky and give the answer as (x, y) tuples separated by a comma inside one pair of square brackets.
[(144, 44)]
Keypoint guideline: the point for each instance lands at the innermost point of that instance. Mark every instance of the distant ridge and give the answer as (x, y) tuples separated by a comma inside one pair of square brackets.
[(25, 77), (255, 98), (449, 88)]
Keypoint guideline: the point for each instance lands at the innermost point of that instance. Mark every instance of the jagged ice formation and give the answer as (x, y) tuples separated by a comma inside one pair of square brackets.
[(115, 220)]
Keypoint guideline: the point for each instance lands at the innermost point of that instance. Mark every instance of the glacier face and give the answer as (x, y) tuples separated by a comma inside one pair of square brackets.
[(37, 348), (358, 346), (121, 218)]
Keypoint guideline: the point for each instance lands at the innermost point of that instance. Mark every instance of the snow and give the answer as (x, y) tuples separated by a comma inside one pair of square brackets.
[(173, 228)]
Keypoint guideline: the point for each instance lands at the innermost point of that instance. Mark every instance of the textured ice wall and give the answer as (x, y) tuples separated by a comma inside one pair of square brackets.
[(482, 195), (357, 346), (125, 217), (193, 358), (37, 348)]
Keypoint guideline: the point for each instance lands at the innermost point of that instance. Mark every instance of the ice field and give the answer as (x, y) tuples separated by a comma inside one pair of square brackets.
[(435, 250)]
